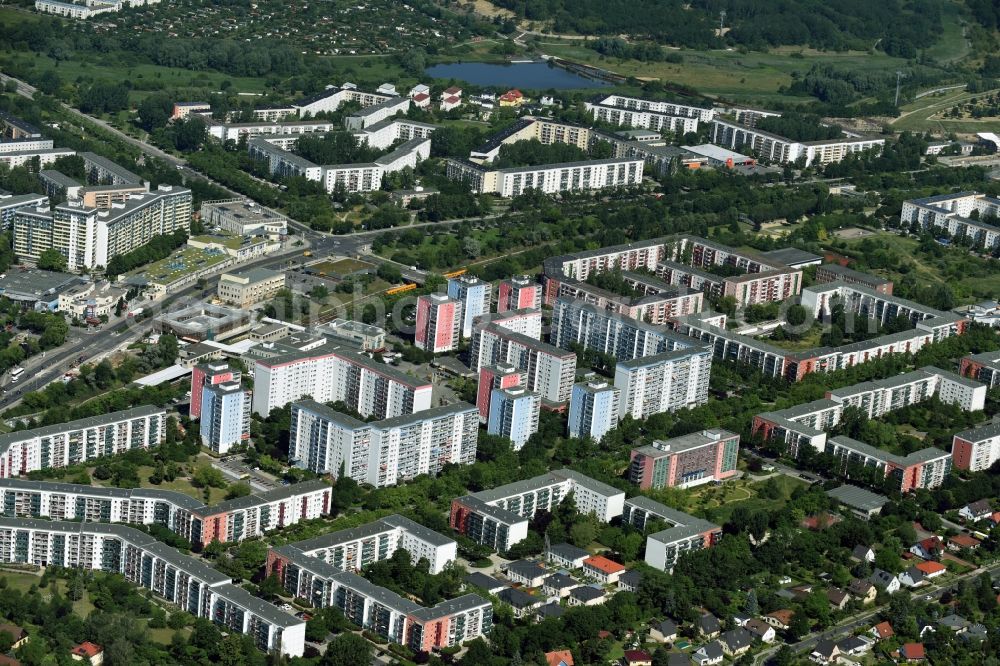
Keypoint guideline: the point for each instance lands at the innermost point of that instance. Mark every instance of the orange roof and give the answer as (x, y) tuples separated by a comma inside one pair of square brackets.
[(559, 657), (912, 650), (884, 630), (964, 541), (452, 99), (603, 564), (931, 567), (784, 616), (87, 649)]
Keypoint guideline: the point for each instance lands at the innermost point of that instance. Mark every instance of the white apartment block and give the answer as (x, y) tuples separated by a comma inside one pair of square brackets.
[(180, 579), (685, 532), (576, 322), (330, 373), (370, 116), (659, 303), (89, 237), (659, 122), (593, 409), (548, 178), (514, 414), (273, 130), (641, 256), (45, 156), (229, 521), (75, 442), (526, 321), (355, 548), (669, 108), (549, 371), (950, 213), (475, 296), (383, 134), (663, 382), (24, 145), (89, 9), (779, 149), (978, 449), (332, 98), (382, 453)]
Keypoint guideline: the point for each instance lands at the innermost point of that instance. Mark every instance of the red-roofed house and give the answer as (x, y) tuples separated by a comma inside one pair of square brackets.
[(88, 652), (453, 91), (779, 619), (882, 631), (605, 570), (512, 98), (638, 658), (995, 518), (449, 103), (18, 636), (912, 652), (8, 661), (559, 658), (960, 541), (929, 548), (422, 100), (931, 569)]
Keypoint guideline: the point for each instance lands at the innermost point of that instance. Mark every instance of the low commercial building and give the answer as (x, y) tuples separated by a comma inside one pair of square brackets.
[(863, 503), (367, 336), (686, 461), (247, 288), (203, 321), (837, 273), (243, 217), (78, 441), (180, 579), (683, 534), (37, 289)]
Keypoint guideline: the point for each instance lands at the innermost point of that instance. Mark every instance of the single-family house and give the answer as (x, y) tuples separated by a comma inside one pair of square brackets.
[(960, 541), (526, 572), (956, 623), (552, 609), (930, 548), (449, 103), (863, 590), (513, 97), (566, 555), (482, 581), (708, 625), (453, 91), (637, 658), (736, 642), (885, 581), (89, 653), (420, 89), (882, 631), (976, 511), (522, 603), (975, 633), (913, 577), (995, 518), (780, 619), (664, 631), (584, 595), (630, 581), (855, 646), (863, 554), (761, 630), (18, 636), (559, 658), (558, 585), (386, 89), (931, 569), (825, 652), (709, 654), (605, 570), (912, 652), (421, 100), (838, 598)]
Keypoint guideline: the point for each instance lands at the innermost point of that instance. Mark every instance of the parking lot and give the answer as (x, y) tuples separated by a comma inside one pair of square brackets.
[(236, 470)]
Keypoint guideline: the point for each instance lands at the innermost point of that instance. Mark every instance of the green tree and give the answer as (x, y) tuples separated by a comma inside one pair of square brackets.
[(347, 650), (52, 260)]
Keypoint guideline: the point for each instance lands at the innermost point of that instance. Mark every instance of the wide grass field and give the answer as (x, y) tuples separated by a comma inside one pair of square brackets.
[(729, 73), (918, 116)]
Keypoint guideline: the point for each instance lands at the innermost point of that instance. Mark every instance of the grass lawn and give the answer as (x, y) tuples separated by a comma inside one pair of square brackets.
[(953, 45), (163, 635), (340, 267), (970, 277), (718, 502), (809, 340), (180, 485), (923, 114), (21, 582)]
